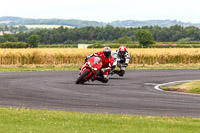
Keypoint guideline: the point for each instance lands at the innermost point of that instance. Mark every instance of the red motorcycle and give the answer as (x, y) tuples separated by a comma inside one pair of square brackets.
[(89, 69)]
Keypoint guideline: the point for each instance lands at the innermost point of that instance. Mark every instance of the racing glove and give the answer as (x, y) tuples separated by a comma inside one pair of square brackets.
[(87, 56)]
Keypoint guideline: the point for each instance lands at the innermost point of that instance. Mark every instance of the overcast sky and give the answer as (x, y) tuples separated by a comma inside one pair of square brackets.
[(104, 10)]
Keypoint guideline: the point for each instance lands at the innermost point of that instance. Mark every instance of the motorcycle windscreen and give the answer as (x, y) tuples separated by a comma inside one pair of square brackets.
[(97, 60)]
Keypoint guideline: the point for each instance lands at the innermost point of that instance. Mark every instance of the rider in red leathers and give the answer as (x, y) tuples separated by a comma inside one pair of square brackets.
[(107, 61)]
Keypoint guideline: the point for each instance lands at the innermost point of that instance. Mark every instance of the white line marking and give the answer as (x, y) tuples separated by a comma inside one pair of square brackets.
[(150, 84), (157, 87)]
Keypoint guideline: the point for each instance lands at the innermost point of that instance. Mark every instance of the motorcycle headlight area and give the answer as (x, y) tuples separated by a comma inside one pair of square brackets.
[(91, 66), (94, 68)]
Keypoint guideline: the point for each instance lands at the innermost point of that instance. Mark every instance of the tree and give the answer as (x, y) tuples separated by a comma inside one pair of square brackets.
[(123, 40), (22, 28), (33, 41), (144, 37), (8, 37)]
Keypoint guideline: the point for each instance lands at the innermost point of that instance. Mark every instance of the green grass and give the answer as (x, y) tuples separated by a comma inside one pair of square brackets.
[(5, 69), (162, 67), (58, 46), (43, 121), (76, 67), (188, 87)]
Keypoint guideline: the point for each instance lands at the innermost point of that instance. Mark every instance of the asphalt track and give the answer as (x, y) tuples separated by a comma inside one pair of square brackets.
[(132, 94)]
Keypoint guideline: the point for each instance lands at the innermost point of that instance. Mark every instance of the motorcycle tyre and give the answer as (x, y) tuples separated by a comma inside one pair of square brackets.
[(82, 76)]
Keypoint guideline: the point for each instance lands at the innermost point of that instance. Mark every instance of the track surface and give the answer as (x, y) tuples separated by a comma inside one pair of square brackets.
[(132, 94)]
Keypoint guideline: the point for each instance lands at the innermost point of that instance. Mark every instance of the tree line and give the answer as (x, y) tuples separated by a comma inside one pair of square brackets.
[(64, 35), (13, 29)]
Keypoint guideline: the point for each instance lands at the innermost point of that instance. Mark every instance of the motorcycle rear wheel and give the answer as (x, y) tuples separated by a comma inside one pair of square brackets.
[(82, 76)]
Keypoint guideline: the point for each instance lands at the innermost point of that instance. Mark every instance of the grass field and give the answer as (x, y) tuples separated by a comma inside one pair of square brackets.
[(48, 68), (188, 87), (43, 121), (76, 67)]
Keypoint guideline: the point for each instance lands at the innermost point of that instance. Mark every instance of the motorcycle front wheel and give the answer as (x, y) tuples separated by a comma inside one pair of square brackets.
[(82, 76)]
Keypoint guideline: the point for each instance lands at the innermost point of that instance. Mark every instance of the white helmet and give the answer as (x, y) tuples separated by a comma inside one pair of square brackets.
[(122, 50)]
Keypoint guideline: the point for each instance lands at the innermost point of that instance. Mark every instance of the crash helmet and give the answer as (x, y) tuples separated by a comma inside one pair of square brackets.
[(107, 52), (122, 50)]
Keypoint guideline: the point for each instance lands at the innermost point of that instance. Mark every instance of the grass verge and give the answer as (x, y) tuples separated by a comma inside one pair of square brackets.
[(188, 87), (6, 69), (28, 120), (76, 67)]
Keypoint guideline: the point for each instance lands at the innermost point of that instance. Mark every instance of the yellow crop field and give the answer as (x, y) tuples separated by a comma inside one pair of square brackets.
[(152, 56), (43, 56), (149, 56)]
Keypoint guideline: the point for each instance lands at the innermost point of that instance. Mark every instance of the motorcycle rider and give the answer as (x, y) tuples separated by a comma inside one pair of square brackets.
[(121, 59), (107, 61)]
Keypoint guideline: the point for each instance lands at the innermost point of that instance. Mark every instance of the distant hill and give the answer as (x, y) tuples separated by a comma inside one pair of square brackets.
[(161, 23), (83, 23)]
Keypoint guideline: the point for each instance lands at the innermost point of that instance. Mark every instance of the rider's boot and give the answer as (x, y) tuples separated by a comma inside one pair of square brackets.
[(121, 73)]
